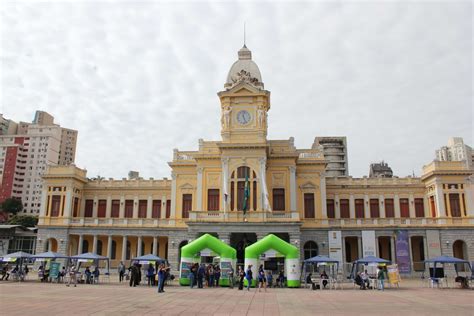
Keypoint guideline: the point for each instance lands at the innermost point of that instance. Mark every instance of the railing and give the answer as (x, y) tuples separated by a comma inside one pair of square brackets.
[(238, 216)]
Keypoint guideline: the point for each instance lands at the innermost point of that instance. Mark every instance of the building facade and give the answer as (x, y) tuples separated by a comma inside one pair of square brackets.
[(245, 186), (25, 153)]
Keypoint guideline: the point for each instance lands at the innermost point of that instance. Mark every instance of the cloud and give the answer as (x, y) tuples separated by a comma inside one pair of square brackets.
[(139, 79)]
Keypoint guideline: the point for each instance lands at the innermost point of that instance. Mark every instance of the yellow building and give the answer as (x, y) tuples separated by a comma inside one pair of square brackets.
[(284, 190)]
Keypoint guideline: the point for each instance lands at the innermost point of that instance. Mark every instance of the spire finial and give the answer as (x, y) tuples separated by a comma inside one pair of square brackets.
[(244, 35)]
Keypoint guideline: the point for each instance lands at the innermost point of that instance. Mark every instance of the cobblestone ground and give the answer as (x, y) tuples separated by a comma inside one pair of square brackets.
[(34, 298)]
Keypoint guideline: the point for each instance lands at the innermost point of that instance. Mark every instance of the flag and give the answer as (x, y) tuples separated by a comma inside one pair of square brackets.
[(246, 194)]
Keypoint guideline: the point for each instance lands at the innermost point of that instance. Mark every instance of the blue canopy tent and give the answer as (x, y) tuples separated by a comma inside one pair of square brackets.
[(446, 259), (148, 258), (365, 261), (321, 260), (49, 255), (18, 258), (89, 256)]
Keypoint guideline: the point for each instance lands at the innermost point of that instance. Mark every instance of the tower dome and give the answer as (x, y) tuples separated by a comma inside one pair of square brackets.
[(244, 70)]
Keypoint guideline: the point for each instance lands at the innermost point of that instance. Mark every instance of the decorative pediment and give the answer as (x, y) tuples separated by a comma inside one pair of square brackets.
[(243, 87), (309, 186), (187, 186)]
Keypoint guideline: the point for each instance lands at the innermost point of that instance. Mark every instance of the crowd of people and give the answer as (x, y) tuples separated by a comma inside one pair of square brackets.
[(201, 275), (362, 279), (16, 272)]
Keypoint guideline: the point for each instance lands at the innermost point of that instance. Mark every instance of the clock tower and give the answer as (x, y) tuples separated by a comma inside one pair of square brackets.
[(244, 103)]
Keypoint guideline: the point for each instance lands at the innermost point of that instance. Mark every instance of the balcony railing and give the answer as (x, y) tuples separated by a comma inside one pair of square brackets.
[(238, 216), (127, 222)]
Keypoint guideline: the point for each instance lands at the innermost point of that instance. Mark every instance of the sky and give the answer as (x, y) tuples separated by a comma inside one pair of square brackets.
[(138, 79)]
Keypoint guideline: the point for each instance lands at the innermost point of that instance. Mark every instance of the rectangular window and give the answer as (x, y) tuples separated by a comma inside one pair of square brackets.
[(142, 206), (389, 208), (75, 212), (128, 208), (309, 205), (55, 205), (101, 208), (156, 209), (240, 195), (278, 199), (168, 208), (455, 205), (374, 208), (115, 212), (344, 206), (187, 204), (213, 199), (419, 208), (330, 208), (404, 208), (89, 208), (232, 200), (359, 208)]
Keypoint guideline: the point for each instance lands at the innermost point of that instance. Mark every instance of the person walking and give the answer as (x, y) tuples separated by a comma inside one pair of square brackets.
[(249, 276), (200, 275), (121, 271), (262, 282), (241, 275), (230, 275), (161, 278), (381, 278), (72, 276)]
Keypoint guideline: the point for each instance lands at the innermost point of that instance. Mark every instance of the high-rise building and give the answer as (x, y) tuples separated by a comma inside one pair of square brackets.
[(335, 153), (380, 170), (456, 150), (26, 151)]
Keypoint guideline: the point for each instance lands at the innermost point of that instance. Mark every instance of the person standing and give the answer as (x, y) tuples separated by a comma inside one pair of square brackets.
[(121, 271), (217, 274), (192, 275), (241, 275), (72, 276), (231, 277), (211, 276), (381, 278), (161, 278), (249, 276), (261, 279), (150, 274), (134, 277), (200, 275)]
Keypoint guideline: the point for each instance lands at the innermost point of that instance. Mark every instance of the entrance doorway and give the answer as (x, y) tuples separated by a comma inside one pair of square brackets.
[(460, 252), (352, 249), (239, 241), (418, 253), (385, 248)]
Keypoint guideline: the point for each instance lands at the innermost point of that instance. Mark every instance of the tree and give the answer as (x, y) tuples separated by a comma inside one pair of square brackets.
[(24, 220), (12, 206)]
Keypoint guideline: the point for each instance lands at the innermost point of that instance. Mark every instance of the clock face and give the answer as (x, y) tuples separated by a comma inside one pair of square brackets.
[(244, 117)]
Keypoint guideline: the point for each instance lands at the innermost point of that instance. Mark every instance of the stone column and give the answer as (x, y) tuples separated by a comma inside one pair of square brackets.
[(225, 237), (109, 246), (396, 201), (173, 195), (322, 189), (82, 207), (50, 244), (94, 244), (469, 197), (124, 248), (439, 200), (44, 201), (163, 206), (366, 206), (68, 203), (155, 245), (411, 203), (392, 249), (382, 206), (199, 189), (135, 207), (352, 206), (337, 207), (122, 207), (108, 207), (94, 207), (359, 246), (292, 188), (80, 244), (139, 245), (149, 207)]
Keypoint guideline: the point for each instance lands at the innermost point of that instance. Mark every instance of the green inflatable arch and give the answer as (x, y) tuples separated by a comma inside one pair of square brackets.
[(191, 253), (277, 245)]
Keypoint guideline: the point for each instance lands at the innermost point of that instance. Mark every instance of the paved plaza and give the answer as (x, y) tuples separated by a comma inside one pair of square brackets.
[(33, 298)]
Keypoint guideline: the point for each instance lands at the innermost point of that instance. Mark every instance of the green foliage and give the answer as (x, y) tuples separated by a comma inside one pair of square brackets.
[(24, 220), (12, 206)]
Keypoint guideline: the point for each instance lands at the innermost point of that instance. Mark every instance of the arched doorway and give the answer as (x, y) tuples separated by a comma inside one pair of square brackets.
[(460, 252), (240, 241), (181, 245), (52, 245), (310, 249)]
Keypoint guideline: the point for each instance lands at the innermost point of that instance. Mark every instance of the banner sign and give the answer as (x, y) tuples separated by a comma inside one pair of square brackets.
[(368, 243), (225, 268), (271, 253), (402, 251), (335, 245), (185, 269), (207, 253), (54, 270), (393, 275)]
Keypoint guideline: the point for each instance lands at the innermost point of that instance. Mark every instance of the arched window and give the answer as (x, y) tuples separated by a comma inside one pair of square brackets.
[(129, 250), (99, 247), (114, 250), (310, 249), (85, 246), (238, 189)]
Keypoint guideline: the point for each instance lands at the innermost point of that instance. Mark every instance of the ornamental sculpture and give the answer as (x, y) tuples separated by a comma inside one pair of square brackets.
[(244, 76), (225, 119)]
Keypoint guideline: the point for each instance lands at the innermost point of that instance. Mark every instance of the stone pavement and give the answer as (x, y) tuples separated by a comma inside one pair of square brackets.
[(34, 298)]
